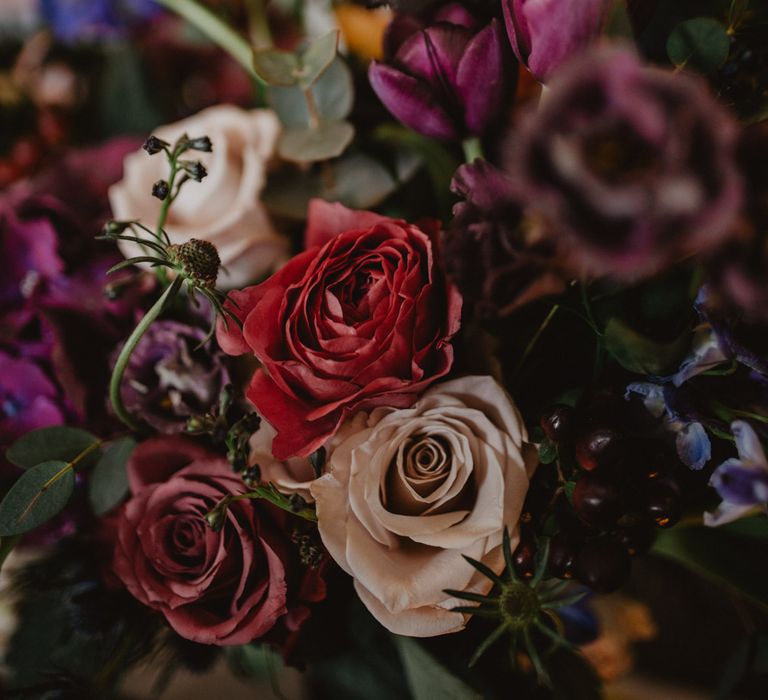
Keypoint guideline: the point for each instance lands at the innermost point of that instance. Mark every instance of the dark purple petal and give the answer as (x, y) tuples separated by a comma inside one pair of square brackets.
[(480, 78), (434, 53), (411, 101), (741, 485)]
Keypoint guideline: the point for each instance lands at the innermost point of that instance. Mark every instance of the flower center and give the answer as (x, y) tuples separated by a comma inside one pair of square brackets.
[(518, 605)]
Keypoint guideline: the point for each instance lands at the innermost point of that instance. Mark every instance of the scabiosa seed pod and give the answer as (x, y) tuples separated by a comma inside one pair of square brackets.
[(197, 260), (630, 167)]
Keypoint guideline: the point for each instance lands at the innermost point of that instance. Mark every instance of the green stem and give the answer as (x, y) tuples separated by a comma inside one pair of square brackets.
[(472, 148), (116, 382), (532, 344), (217, 31)]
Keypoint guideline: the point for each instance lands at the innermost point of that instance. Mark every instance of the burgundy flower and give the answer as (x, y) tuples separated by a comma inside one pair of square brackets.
[(227, 587), (485, 249), (363, 318), (546, 33), (630, 167), (445, 81), (169, 378)]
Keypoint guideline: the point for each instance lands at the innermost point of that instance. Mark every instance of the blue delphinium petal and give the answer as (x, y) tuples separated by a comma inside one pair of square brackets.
[(693, 446), (748, 444), (705, 354)]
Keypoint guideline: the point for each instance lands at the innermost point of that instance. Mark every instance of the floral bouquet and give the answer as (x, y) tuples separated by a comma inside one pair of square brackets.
[(409, 336)]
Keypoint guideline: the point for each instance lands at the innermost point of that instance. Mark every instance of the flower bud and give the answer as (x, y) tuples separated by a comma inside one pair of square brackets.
[(160, 190), (195, 169), (217, 516), (154, 145), (202, 143)]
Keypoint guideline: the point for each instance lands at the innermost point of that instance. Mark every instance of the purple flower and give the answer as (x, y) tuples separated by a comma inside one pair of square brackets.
[(741, 482), (445, 81), (546, 33), (630, 167), (28, 399), (484, 248), (169, 379), (90, 20)]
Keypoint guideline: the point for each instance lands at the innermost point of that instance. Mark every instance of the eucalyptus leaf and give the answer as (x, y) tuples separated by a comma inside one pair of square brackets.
[(427, 678), (277, 67), (333, 93), (109, 481), (636, 353), (701, 44), (317, 57), (309, 144), (39, 494), (547, 451), (57, 442)]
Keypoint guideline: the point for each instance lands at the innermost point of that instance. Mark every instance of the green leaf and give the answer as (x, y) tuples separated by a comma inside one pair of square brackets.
[(253, 661), (720, 556), (755, 527), (277, 67), (58, 442), (317, 57), (701, 44), (38, 495), (568, 488), (636, 353), (333, 92), (427, 678), (306, 145), (109, 481)]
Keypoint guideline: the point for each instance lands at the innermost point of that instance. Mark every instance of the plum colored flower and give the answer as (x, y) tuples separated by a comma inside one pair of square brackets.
[(409, 491), (363, 317), (546, 33), (445, 81), (225, 208), (92, 20), (741, 482), (214, 587), (169, 378), (28, 399), (485, 247), (629, 167)]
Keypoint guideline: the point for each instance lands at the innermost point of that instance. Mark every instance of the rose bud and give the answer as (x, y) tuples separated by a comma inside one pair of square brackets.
[(630, 167), (546, 33), (445, 81)]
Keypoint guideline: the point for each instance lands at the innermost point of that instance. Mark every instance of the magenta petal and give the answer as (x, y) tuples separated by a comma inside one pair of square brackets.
[(480, 78), (558, 30), (434, 53), (517, 28), (411, 101)]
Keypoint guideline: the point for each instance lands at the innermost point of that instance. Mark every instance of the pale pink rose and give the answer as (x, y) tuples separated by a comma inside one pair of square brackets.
[(413, 490), (293, 475), (224, 208)]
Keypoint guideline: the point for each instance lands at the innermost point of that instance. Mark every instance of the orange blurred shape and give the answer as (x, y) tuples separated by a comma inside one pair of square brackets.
[(363, 29)]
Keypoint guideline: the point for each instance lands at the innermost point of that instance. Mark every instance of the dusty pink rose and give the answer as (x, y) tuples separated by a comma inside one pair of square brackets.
[(224, 208), (227, 587), (413, 489)]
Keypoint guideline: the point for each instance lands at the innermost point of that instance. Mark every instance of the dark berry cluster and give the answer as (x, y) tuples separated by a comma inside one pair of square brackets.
[(608, 482)]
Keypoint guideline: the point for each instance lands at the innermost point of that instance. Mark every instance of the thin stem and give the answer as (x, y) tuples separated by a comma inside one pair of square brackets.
[(532, 344), (314, 112), (116, 382), (217, 31), (473, 149)]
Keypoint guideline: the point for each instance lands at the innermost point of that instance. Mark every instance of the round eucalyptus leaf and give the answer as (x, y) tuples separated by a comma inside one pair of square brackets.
[(108, 485), (57, 442), (39, 494), (700, 44), (317, 57), (276, 67), (307, 145)]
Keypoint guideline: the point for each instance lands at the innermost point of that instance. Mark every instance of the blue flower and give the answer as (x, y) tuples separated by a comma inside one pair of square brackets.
[(741, 482), (90, 20)]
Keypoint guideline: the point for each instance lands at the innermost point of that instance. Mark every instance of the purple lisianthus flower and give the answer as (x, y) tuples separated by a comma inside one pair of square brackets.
[(92, 20), (485, 250), (546, 33), (741, 482), (630, 167), (169, 378), (445, 81)]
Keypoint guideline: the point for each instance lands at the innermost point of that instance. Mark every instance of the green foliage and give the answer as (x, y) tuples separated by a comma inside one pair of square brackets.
[(108, 485), (427, 677), (57, 442), (300, 69), (721, 556), (639, 354), (547, 451), (36, 497), (327, 140), (700, 44)]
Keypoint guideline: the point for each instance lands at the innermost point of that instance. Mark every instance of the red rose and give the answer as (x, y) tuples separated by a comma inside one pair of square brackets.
[(223, 588), (362, 318)]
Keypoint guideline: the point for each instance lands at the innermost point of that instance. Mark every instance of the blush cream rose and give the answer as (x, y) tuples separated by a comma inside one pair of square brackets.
[(414, 489), (224, 208)]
